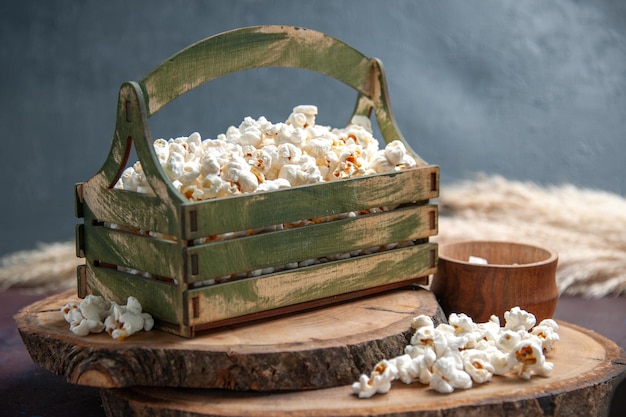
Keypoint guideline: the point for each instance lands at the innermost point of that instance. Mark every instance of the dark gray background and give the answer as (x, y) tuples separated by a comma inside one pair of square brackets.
[(531, 90)]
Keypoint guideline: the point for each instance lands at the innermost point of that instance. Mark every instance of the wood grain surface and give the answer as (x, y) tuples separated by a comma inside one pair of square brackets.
[(318, 348), (587, 368)]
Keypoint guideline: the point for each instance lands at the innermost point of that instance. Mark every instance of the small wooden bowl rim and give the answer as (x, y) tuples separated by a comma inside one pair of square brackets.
[(553, 256)]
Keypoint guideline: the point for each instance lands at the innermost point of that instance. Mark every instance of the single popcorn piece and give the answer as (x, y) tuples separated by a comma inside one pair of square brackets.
[(378, 382), (447, 376), (430, 337), (416, 368), (462, 323), (519, 320), (406, 372), (127, 320), (508, 340), (477, 260), (422, 321), (395, 152), (501, 361), (87, 316), (547, 332), (71, 312), (477, 364), (365, 387), (489, 330), (531, 360)]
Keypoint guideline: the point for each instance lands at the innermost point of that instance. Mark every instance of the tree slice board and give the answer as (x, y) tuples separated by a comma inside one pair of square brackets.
[(318, 348), (587, 368)]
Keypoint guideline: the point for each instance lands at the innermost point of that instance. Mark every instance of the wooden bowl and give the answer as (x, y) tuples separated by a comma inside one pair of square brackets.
[(516, 275)]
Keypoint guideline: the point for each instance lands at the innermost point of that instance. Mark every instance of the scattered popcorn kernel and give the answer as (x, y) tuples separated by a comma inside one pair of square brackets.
[(87, 316), (518, 319), (125, 320), (508, 340), (531, 360), (407, 372), (71, 312), (378, 382), (416, 368), (477, 260), (422, 321), (447, 377), (462, 323), (365, 387), (547, 336), (478, 365)]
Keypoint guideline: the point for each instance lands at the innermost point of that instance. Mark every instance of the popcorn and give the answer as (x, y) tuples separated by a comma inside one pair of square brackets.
[(87, 316), (489, 330), (407, 372), (462, 353), (518, 319), (447, 376), (161, 148), (127, 320), (395, 152), (547, 332), (508, 340), (530, 360), (94, 315), (430, 337), (477, 260), (379, 381), (422, 321), (298, 150), (477, 364), (411, 368)]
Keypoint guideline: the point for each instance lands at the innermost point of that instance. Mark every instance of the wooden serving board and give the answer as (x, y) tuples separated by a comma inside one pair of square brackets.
[(319, 348), (587, 368)]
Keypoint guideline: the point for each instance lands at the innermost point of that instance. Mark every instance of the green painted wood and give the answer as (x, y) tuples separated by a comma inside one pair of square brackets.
[(147, 254), (315, 241), (131, 209), (159, 212), (253, 295), (162, 300), (300, 203), (255, 47)]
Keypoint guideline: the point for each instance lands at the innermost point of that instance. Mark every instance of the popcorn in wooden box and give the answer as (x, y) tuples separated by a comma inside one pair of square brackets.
[(234, 164), (267, 218)]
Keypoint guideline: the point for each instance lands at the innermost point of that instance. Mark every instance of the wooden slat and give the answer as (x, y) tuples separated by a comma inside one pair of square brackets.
[(162, 300), (252, 295), (130, 208), (147, 254), (300, 203), (310, 242)]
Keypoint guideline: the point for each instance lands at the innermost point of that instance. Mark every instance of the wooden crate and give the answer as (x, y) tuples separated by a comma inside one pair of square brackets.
[(146, 245)]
